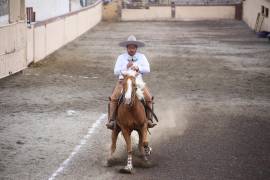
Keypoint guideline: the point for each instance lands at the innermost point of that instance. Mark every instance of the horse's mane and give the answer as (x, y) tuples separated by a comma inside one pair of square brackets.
[(140, 84)]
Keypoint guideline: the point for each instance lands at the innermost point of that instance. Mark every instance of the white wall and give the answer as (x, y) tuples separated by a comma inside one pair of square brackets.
[(250, 10), (181, 13), (153, 13), (205, 12), (19, 45), (3, 20), (48, 36), (12, 48), (48, 8)]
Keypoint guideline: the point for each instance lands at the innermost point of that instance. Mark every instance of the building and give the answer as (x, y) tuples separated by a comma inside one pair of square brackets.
[(22, 44)]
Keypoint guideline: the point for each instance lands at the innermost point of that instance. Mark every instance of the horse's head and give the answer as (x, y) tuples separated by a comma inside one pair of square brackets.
[(129, 87)]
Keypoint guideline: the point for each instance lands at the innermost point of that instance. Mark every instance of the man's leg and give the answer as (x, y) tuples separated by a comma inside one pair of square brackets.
[(113, 104), (148, 100)]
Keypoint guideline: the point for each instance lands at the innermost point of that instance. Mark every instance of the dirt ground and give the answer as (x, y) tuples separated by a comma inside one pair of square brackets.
[(211, 82)]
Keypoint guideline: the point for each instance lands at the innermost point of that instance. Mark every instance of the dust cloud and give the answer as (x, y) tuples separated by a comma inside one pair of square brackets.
[(173, 120)]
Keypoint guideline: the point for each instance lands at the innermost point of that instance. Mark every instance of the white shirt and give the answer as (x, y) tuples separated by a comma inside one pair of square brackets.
[(139, 60)]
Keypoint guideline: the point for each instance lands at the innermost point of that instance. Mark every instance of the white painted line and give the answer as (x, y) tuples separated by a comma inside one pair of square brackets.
[(78, 147)]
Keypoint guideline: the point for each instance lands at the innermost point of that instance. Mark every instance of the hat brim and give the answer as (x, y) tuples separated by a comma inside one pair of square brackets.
[(137, 43)]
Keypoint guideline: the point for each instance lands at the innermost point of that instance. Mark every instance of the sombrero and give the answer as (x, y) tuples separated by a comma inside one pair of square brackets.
[(131, 40)]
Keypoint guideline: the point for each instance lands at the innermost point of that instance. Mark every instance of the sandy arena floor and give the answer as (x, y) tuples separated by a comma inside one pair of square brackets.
[(211, 82)]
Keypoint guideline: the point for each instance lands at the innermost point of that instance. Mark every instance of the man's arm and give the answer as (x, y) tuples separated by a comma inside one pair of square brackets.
[(144, 66), (120, 65)]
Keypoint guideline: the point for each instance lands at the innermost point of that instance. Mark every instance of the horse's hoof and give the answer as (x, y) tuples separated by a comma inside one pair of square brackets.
[(148, 164), (148, 150), (145, 163), (110, 162), (126, 170)]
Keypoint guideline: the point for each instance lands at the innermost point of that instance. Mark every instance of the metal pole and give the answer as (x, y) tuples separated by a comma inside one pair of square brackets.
[(9, 11)]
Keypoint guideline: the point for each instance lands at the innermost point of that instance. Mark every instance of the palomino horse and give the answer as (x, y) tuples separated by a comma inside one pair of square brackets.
[(131, 116)]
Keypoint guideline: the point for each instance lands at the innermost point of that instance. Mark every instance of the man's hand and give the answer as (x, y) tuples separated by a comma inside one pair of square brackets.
[(135, 68), (129, 64)]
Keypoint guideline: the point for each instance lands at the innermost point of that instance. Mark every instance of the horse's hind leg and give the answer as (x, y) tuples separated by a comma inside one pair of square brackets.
[(128, 168)]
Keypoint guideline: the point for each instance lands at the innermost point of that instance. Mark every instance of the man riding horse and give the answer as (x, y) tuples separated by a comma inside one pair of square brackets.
[(137, 62)]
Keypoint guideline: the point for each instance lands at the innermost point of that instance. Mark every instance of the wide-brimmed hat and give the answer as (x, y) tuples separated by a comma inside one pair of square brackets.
[(131, 40)]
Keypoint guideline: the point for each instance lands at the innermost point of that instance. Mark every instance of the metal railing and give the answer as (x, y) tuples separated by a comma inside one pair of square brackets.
[(138, 4), (134, 4)]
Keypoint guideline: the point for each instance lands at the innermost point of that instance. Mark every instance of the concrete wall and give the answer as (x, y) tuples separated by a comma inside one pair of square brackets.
[(153, 13), (47, 36), (204, 12), (12, 48), (13, 40), (181, 13), (250, 10)]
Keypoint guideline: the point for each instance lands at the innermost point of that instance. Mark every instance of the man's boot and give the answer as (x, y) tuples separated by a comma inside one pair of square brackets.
[(111, 115), (110, 124)]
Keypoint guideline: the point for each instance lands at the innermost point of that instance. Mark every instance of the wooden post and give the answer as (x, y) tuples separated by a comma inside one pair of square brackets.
[(239, 11), (173, 9)]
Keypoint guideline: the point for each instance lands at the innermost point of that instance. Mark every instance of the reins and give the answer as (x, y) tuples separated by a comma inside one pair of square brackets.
[(149, 109)]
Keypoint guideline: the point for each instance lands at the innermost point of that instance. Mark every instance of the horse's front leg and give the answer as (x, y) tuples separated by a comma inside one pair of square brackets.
[(147, 148), (129, 167), (140, 146), (115, 133)]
